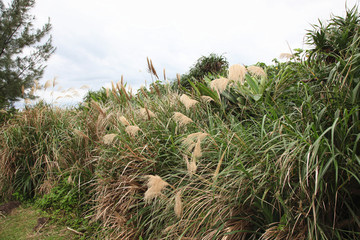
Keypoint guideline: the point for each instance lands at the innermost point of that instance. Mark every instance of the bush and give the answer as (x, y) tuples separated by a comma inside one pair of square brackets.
[(212, 64)]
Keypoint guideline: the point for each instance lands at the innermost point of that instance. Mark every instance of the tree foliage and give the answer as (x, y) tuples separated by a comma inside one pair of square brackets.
[(23, 50), (212, 64)]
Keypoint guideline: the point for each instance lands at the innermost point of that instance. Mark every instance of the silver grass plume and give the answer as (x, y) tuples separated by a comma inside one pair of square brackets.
[(237, 73), (187, 101), (155, 185)]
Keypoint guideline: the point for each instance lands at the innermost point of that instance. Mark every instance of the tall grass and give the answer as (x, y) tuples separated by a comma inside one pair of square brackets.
[(272, 154)]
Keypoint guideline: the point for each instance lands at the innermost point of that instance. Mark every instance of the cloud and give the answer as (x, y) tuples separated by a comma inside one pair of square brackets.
[(98, 41)]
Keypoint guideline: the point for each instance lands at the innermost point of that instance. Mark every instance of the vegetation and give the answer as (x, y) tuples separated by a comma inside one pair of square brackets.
[(206, 65), (23, 225), (22, 51), (260, 152)]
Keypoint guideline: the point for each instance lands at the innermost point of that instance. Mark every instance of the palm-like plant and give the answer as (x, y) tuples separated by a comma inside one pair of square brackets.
[(213, 64), (334, 39)]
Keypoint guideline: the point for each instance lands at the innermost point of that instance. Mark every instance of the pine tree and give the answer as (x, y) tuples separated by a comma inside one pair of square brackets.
[(23, 50)]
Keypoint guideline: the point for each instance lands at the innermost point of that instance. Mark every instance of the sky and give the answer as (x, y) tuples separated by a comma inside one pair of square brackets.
[(99, 41)]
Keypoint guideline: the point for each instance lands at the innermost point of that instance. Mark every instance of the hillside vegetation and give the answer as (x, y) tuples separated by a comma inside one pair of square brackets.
[(259, 152)]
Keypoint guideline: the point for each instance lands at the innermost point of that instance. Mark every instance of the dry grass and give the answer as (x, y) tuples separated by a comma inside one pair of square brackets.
[(132, 130), (155, 185), (219, 84), (146, 114), (181, 119), (178, 208), (237, 73), (109, 138), (48, 84), (286, 56), (191, 166), (257, 71), (123, 120), (187, 101), (206, 99)]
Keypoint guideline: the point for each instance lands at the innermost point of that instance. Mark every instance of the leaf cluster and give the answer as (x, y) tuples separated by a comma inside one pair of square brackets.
[(23, 50)]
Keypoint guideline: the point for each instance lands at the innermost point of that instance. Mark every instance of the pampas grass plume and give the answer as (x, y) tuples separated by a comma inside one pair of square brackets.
[(155, 185), (189, 140), (48, 84), (257, 71), (219, 84), (178, 208), (207, 99), (197, 150), (132, 130), (286, 56), (181, 119), (124, 121), (187, 101), (109, 138), (191, 166), (80, 134), (146, 113), (237, 73)]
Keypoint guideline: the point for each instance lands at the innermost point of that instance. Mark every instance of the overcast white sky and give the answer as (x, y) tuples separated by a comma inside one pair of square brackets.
[(98, 41)]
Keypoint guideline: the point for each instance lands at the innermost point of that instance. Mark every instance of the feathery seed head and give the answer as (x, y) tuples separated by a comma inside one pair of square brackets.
[(257, 71), (96, 106), (237, 73), (207, 99), (109, 138), (187, 101), (286, 56), (123, 121), (47, 84), (54, 82), (32, 91), (190, 139), (219, 84), (80, 134), (181, 119), (178, 208), (191, 166), (84, 87), (37, 85), (132, 130), (197, 150), (146, 113), (155, 185)]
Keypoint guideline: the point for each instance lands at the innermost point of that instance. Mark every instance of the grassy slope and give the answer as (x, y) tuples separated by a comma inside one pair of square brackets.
[(19, 225), (279, 158)]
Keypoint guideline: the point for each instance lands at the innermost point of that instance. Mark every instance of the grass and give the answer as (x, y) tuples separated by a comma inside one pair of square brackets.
[(19, 225), (269, 157)]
